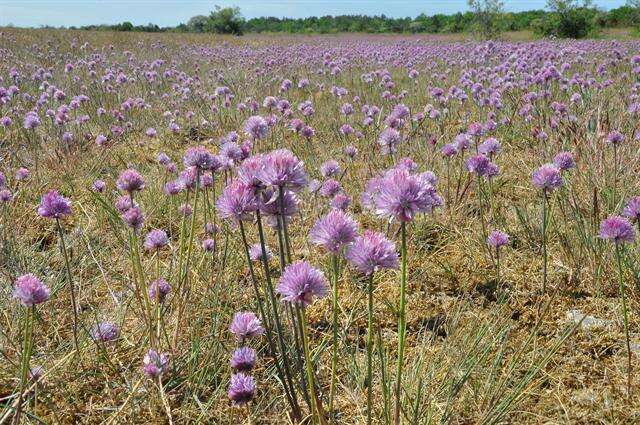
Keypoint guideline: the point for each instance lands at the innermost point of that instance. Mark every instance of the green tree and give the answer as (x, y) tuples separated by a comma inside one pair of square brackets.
[(198, 23), (226, 20), (487, 14)]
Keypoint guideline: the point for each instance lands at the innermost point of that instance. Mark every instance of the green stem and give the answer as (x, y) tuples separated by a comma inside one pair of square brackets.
[(625, 317), (334, 348), (315, 413), (544, 242), (63, 249), (402, 323), (26, 356), (369, 348)]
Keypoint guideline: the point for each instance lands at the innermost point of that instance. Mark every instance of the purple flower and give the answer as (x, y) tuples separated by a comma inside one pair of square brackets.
[(163, 158), (617, 229), (462, 142), (330, 168), (105, 332), (490, 147), (372, 251), (330, 188), (389, 140), (54, 205), (281, 168), (401, 196), (101, 139), (334, 231), (242, 389), (185, 210), (300, 283), (98, 186), (246, 324), (22, 174), (341, 202), (155, 364), (547, 178), (351, 151), (123, 203), (155, 240), (615, 137), (30, 290), (564, 161), (256, 127), (159, 289), (497, 239), (209, 245), (5, 195), (475, 129), (237, 202), (255, 252), (270, 206), (481, 165), (249, 172), (174, 187), (243, 359), (3, 180), (130, 181), (134, 218), (632, 209), (199, 157), (151, 132), (31, 120)]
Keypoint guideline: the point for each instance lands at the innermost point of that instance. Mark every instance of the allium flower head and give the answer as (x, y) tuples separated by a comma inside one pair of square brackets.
[(334, 231), (123, 203), (5, 195), (256, 127), (490, 147), (237, 202), (480, 164), (209, 245), (617, 229), (564, 161), (242, 389), (54, 205), (98, 186), (155, 364), (300, 283), (281, 168), (330, 188), (243, 359), (199, 157), (632, 209), (30, 290), (159, 289), (389, 140), (497, 239), (156, 239), (547, 178), (130, 181), (249, 172), (255, 252), (372, 251), (330, 168), (105, 332), (351, 151), (615, 137), (246, 324), (271, 208), (401, 196), (22, 174), (449, 150), (134, 218), (341, 202)]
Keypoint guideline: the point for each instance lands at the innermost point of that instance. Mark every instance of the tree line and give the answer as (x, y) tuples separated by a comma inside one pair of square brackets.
[(561, 18)]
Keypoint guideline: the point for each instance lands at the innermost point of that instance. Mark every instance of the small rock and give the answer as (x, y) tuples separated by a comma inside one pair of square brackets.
[(588, 322)]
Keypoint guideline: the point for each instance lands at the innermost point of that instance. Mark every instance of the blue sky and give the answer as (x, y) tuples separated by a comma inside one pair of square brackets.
[(172, 12)]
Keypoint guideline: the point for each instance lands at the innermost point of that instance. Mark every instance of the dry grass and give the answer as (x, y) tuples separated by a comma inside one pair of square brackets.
[(476, 354)]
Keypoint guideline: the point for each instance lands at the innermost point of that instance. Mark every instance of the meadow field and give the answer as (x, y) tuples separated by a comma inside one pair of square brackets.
[(318, 229)]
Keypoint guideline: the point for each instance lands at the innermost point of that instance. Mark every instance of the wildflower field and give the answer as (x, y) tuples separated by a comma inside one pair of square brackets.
[(321, 230)]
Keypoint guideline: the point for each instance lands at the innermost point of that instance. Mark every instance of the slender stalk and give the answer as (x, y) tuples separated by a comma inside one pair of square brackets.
[(625, 316), (63, 249), (369, 348), (276, 313), (334, 348), (315, 412), (544, 242), (26, 356), (264, 316), (402, 323)]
